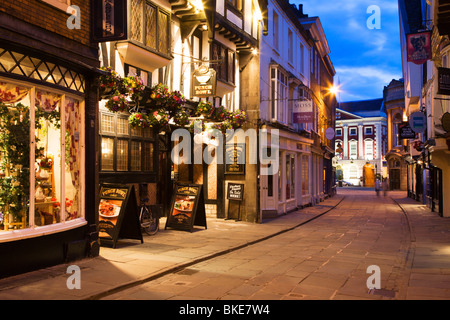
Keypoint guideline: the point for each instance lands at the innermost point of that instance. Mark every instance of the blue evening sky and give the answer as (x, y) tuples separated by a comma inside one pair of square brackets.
[(365, 59)]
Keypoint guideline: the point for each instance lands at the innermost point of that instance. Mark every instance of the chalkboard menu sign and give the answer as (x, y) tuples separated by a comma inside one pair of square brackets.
[(405, 131), (235, 158), (118, 214), (235, 191), (187, 207)]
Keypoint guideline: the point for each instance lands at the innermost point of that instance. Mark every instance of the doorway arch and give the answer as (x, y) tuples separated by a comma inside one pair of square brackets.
[(369, 175)]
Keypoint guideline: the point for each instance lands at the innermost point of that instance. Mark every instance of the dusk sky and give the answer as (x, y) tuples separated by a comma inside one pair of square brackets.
[(365, 59)]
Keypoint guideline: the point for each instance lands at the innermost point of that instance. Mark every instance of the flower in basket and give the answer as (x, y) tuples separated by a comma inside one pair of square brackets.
[(220, 114), (138, 120), (204, 108), (222, 126), (238, 118), (160, 95), (46, 163), (111, 82), (158, 118), (175, 101), (181, 118), (118, 102), (134, 86), (196, 126)]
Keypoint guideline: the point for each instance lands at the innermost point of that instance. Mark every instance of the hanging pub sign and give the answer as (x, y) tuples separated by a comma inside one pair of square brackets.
[(418, 47), (405, 131), (204, 81), (118, 214), (235, 158), (303, 111), (187, 207), (109, 20), (443, 81)]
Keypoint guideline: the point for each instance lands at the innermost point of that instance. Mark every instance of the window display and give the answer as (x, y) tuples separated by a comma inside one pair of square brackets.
[(40, 157)]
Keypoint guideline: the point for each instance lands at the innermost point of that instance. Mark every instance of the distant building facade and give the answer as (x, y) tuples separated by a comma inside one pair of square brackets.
[(361, 141)]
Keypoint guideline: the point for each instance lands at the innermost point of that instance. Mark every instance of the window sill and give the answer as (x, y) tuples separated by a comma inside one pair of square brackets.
[(57, 5), (21, 234)]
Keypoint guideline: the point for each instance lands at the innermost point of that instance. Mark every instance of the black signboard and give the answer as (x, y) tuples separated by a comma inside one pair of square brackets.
[(405, 131), (235, 191), (118, 214), (109, 20), (187, 207), (443, 81), (235, 158)]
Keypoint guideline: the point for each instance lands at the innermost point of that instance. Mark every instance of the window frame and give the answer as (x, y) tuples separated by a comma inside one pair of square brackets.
[(131, 138), (142, 42)]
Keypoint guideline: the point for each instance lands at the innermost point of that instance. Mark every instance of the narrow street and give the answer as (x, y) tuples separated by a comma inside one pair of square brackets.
[(327, 258)]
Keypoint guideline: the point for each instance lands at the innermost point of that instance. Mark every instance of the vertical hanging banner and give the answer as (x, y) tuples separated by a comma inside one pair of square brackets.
[(418, 46), (303, 111), (109, 20)]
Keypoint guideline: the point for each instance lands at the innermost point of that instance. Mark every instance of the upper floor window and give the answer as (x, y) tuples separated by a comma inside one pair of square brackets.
[(368, 149), (368, 130), (150, 25), (338, 132), (353, 145), (278, 94), (237, 4), (353, 131), (291, 47), (226, 67), (275, 31)]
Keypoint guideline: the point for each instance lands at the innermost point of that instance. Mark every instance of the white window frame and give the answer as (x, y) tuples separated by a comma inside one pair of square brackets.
[(339, 132), (279, 92), (350, 131), (33, 230), (354, 155), (368, 145), (368, 128)]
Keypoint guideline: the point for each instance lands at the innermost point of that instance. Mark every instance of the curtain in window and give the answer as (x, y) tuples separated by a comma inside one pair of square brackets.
[(73, 130), (10, 93)]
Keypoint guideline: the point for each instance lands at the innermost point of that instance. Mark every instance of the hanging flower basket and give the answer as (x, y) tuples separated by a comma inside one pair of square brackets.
[(134, 87), (117, 103), (238, 118), (110, 83), (139, 120), (220, 114), (181, 118), (204, 108)]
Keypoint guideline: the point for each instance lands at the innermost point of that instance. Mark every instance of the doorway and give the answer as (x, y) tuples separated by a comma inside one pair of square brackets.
[(369, 175), (394, 179)]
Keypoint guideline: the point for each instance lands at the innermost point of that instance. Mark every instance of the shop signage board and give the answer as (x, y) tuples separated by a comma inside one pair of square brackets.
[(204, 82), (443, 81), (109, 20), (118, 214), (187, 207), (418, 47), (303, 111), (235, 158), (405, 131), (235, 192), (418, 122)]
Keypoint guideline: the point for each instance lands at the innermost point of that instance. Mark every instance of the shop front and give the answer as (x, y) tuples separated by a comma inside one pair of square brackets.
[(48, 173)]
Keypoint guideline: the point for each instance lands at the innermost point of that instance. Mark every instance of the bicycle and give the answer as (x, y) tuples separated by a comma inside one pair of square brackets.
[(149, 218)]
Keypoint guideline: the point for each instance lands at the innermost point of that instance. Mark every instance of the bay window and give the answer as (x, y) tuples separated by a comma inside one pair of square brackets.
[(41, 157)]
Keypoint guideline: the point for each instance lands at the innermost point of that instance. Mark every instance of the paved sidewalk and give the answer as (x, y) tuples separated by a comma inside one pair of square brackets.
[(169, 250)]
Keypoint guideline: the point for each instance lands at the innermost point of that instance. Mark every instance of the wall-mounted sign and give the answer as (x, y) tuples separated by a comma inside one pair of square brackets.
[(443, 81), (235, 158), (418, 46), (204, 82), (187, 207), (405, 131), (418, 122), (109, 20), (329, 133), (118, 214), (303, 111)]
